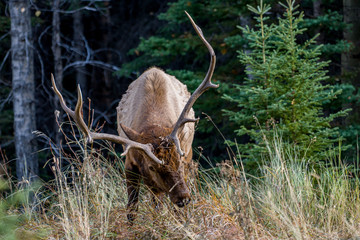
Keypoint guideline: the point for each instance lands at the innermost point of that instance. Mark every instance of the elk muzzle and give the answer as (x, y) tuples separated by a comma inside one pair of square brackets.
[(180, 194)]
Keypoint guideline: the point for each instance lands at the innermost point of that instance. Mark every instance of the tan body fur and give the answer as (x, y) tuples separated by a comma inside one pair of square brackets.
[(147, 113), (155, 98)]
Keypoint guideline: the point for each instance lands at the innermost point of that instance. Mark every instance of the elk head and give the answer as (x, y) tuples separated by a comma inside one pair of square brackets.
[(167, 177)]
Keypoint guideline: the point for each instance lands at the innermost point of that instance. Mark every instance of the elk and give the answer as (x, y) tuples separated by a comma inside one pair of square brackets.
[(156, 125)]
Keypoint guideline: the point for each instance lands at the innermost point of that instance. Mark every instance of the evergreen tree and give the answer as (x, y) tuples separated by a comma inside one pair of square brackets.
[(286, 84)]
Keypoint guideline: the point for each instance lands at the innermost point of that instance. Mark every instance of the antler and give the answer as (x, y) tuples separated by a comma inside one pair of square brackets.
[(77, 116), (205, 85)]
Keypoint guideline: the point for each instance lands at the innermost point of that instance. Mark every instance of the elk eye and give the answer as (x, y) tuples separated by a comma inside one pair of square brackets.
[(152, 168)]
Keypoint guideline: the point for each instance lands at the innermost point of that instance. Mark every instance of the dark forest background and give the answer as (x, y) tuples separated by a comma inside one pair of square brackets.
[(105, 45)]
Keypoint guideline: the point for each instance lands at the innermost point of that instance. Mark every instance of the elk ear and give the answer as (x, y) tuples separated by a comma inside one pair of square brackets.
[(130, 133)]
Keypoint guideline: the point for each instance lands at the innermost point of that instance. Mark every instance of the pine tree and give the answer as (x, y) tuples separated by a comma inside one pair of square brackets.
[(286, 86)]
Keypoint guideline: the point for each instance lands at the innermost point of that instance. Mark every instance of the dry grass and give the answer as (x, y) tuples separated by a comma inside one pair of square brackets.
[(299, 202), (87, 200)]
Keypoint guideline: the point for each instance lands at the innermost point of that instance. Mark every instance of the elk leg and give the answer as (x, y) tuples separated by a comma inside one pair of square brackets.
[(132, 182)]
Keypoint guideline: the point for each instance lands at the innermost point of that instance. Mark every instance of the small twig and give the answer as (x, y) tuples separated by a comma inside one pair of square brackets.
[(93, 63), (6, 100), (40, 37), (3, 145), (4, 36), (5, 58)]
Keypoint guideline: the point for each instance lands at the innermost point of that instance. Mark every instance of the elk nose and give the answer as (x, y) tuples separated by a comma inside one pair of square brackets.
[(183, 202)]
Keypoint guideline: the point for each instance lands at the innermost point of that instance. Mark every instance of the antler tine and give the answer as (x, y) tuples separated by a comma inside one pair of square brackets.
[(205, 85), (62, 102), (77, 116)]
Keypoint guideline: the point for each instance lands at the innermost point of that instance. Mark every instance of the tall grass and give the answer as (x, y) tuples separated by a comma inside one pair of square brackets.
[(86, 192), (300, 202), (289, 200)]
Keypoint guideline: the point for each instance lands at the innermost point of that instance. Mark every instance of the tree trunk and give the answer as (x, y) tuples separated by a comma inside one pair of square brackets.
[(79, 46), (245, 21), (58, 67), (23, 86), (350, 61), (105, 92), (106, 22), (317, 13)]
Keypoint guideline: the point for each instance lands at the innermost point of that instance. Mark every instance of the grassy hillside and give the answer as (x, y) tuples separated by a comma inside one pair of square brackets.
[(87, 200)]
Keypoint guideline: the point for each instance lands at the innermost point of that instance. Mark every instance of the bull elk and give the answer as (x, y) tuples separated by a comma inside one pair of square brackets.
[(156, 128)]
